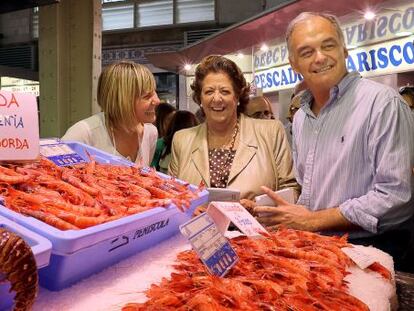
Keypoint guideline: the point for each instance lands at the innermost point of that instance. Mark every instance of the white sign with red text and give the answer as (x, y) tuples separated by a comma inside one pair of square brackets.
[(19, 126), (225, 212)]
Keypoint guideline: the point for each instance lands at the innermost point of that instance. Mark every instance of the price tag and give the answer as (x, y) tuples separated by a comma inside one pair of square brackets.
[(358, 255), (60, 154), (19, 127), (224, 212), (211, 246)]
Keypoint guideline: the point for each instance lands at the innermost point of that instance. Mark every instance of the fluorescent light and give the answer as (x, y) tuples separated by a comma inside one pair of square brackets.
[(350, 47), (403, 33)]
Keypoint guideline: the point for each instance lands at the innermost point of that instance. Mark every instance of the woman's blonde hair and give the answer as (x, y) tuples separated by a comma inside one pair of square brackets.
[(119, 86)]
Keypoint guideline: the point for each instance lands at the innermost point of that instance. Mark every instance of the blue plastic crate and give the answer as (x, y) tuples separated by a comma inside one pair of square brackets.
[(41, 249), (77, 254)]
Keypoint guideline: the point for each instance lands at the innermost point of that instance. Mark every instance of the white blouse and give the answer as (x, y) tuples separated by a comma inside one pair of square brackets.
[(93, 132)]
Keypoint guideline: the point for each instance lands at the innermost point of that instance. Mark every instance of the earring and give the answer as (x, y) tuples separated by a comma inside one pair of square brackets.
[(238, 104), (201, 105)]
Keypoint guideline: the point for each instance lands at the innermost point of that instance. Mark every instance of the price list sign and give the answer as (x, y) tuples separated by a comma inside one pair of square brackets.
[(224, 212), (211, 246), (19, 126), (60, 154)]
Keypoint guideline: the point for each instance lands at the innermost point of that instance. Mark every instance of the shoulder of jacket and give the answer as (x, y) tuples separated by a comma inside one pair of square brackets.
[(263, 125), (189, 132)]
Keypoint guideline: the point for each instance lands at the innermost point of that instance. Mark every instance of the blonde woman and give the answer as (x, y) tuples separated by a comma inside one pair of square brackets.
[(127, 97)]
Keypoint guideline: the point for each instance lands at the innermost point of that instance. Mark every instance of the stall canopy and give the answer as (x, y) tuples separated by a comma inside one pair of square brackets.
[(259, 29)]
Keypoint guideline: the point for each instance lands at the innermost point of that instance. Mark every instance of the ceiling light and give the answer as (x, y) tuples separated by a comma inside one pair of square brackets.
[(187, 67), (240, 55), (369, 15), (264, 48)]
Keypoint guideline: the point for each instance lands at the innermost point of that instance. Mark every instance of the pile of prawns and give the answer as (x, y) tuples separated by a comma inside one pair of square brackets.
[(288, 270), (86, 194)]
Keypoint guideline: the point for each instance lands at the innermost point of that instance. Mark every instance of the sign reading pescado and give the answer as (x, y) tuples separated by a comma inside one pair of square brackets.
[(383, 58), (19, 130)]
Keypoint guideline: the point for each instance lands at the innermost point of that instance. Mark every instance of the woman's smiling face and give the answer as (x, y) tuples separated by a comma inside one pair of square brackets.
[(145, 107), (218, 98)]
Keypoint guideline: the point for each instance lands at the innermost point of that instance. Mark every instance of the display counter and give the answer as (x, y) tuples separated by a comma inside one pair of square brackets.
[(117, 285), (126, 281)]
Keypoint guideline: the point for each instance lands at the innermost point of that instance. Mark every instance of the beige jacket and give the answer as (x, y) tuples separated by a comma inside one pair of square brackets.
[(263, 157)]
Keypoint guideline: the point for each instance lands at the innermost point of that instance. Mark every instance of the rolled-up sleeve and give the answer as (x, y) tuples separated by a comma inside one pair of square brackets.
[(390, 149)]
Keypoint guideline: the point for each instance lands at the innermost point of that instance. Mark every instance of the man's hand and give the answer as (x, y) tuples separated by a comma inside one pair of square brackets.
[(299, 217), (284, 213), (249, 205)]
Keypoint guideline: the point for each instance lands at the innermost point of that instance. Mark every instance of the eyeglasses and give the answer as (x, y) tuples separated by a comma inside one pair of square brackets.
[(262, 115), (406, 89)]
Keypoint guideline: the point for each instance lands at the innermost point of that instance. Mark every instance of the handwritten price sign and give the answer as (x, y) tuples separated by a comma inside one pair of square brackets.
[(19, 126), (224, 212)]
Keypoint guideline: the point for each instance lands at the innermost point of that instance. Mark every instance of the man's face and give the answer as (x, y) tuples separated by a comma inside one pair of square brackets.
[(258, 109), (317, 53)]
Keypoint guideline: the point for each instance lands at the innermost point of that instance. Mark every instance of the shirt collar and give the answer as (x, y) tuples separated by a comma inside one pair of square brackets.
[(337, 90)]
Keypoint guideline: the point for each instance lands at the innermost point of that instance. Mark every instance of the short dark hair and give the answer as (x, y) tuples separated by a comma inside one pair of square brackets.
[(161, 113), (408, 89), (182, 119), (216, 64)]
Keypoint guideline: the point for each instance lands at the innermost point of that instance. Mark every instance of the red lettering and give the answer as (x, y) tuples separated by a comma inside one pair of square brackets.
[(25, 144), (14, 143), (11, 143), (3, 100), (13, 101)]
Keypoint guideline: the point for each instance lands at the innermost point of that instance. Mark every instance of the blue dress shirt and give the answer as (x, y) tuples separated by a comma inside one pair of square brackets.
[(357, 154)]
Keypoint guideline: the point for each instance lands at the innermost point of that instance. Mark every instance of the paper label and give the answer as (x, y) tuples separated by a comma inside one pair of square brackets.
[(224, 212), (359, 256), (49, 141), (60, 154), (223, 194), (211, 246), (287, 194), (19, 126)]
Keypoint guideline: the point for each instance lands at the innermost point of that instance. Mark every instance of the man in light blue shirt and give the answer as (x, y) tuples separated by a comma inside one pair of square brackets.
[(353, 146)]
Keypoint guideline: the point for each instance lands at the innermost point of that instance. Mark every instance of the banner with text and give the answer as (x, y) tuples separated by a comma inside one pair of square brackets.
[(378, 59), (19, 127)]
